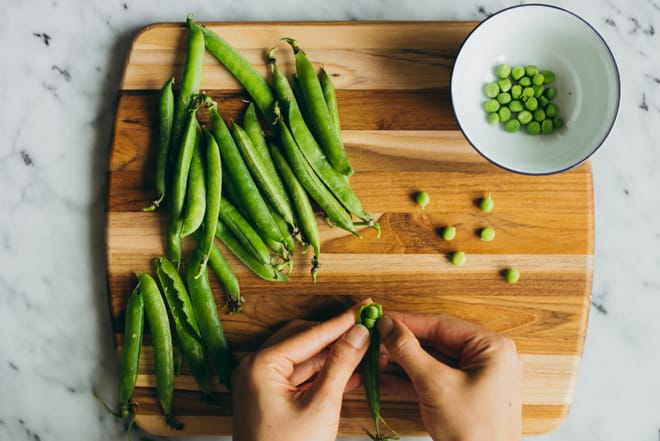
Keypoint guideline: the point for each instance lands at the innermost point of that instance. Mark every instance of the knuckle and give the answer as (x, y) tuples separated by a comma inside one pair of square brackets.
[(403, 346)]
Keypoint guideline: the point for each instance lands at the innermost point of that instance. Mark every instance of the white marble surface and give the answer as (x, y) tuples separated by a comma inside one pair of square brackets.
[(61, 64)]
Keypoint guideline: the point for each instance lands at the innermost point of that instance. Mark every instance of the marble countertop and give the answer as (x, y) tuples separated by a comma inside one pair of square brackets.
[(61, 66)]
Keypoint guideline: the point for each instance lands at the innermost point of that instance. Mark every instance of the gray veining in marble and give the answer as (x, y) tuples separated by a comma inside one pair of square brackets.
[(61, 65)]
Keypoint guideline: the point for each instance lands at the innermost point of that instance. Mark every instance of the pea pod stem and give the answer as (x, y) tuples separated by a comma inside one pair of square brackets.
[(161, 337), (206, 311), (318, 111), (185, 322), (166, 118)]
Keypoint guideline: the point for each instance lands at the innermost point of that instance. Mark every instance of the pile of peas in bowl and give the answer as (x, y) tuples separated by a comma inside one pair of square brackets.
[(522, 96)]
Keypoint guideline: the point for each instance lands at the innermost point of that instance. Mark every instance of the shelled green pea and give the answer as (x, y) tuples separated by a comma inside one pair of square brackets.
[(521, 96)]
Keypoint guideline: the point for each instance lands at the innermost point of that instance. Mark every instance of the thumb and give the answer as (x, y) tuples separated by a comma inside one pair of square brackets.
[(344, 358), (404, 348)]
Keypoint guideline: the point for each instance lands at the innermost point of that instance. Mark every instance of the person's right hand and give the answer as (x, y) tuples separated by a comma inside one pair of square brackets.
[(473, 394)]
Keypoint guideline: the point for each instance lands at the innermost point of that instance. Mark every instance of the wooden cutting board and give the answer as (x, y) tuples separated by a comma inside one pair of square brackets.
[(401, 137)]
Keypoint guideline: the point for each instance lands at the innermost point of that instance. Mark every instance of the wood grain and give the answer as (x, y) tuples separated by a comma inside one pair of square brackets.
[(401, 137)]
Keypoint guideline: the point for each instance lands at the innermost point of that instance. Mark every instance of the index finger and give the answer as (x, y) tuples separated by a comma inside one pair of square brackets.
[(310, 342), (443, 332)]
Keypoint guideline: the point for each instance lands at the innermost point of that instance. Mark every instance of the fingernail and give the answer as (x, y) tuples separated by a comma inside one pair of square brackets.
[(357, 336), (385, 325)]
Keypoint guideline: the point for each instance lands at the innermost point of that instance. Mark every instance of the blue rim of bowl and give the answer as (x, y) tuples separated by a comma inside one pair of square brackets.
[(618, 95)]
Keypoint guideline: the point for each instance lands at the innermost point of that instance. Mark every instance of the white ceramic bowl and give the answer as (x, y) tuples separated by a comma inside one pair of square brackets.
[(587, 83)]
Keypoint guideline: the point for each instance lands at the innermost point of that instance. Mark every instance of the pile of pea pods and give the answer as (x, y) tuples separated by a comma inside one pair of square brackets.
[(249, 189)]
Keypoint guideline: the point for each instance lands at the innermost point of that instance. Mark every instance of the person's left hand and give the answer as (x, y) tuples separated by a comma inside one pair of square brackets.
[(292, 388)]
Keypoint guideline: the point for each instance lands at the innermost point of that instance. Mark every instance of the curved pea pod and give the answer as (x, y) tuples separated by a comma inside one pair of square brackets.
[(214, 194), (190, 82), (243, 231), (263, 270), (227, 278), (130, 353), (246, 74), (318, 111), (368, 316), (185, 323), (306, 215), (166, 118), (312, 184), (330, 95), (161, 338), (237, 176), (195, 203), (179, 183), (206, 311), (263, 171)]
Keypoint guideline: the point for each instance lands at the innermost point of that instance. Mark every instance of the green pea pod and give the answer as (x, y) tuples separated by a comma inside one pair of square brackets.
[(232, 195), (306, 215), (241, 68), (330, 95), (175, 221), (263, 171), (195, 205), (185, 322), (368, 315), (265, 271), (227, 278), (130, 353), (206, 311), (214, 194), (243, 231), (318, 111), (161, 338), (166, 117), (300, 101), (238, 177), (190, 83), (312, 184), (335, 181)]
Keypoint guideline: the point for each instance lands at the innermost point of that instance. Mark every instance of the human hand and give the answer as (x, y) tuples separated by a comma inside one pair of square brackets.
[(473, 393), (292, 388)]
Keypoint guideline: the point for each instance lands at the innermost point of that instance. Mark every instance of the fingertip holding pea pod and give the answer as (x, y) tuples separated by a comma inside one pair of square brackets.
[(368, 315)]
